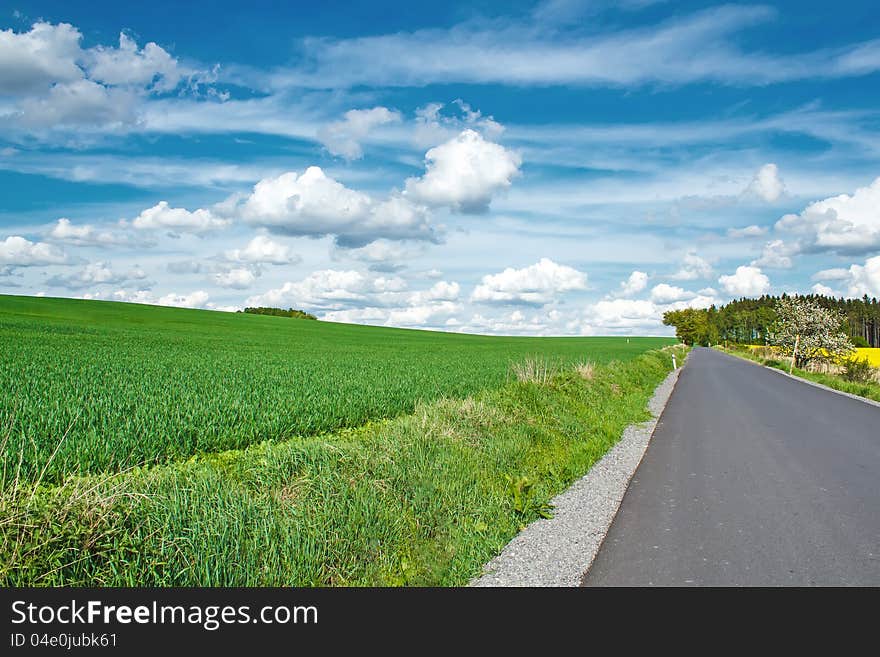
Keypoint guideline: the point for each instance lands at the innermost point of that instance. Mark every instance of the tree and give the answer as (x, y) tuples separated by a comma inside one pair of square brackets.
[(691, 326), (816, 331)]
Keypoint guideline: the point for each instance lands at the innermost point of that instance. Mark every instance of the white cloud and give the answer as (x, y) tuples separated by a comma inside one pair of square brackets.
[(178, 219), (344, 137), (150, 66), (766, 185), (327, 289), (33, 60), (19, 252), (350, 296), (263, 250), (67, 232), (464, 173), (637, 281), (835, 274), (748, 231), (316, 204), (844, 223), (238, 278), (381, 254), (197, 299), (663, 294), (617, 314), (536, 284), (745, 282), (524, 54), (54, 82), (776, 255), (78, 103), (96, 273), (444, 291), (818, 288), (865, 279), (693, 267), (433, 127)]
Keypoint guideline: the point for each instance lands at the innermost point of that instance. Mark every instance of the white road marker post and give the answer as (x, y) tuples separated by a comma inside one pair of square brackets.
[(797, 340), (674, 366)]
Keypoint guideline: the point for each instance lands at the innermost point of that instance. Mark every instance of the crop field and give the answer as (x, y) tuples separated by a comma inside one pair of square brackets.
[(92, 387), (871, 355)]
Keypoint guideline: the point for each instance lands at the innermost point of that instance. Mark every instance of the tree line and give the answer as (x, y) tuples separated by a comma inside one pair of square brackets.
[(280, 312), (752, 321)]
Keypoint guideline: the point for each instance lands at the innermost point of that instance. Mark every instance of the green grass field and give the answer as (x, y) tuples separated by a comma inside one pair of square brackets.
[(158, 446), (105, 386)]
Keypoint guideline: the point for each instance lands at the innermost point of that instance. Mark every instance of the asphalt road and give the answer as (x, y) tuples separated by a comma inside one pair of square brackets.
[(751, 478)]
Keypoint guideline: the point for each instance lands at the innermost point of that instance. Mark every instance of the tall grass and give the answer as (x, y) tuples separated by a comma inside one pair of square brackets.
[(423, 499)]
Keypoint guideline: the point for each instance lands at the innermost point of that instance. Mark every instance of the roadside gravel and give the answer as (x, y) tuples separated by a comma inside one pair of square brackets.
[(558, 551)]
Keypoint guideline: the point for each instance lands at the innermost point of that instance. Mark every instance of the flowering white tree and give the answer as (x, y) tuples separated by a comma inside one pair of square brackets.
[(809, 331)]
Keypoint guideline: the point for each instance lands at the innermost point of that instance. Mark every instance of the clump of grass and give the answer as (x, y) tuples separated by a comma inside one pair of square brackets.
[(423, 499), (585, 369), (534, 370)]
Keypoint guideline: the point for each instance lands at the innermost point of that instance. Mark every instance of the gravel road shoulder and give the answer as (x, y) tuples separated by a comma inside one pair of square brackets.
[(558, 551)]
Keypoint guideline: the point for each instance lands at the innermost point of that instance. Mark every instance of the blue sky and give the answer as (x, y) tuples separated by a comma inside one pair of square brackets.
[(564, 167)]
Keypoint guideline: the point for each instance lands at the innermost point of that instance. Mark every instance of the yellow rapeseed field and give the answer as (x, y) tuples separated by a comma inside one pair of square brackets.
[(872, 354)]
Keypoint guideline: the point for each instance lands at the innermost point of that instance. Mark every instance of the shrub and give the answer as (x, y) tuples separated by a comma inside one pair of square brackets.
[(857, 370)]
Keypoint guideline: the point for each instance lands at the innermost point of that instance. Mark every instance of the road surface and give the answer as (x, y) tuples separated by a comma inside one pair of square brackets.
[(751, 478)]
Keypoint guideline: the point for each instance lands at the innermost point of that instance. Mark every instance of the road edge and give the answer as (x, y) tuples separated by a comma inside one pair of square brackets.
[(815, 384), (558, 552)]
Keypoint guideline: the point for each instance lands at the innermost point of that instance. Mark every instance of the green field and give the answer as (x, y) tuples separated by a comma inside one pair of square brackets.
[(158, 446), (105, 386)]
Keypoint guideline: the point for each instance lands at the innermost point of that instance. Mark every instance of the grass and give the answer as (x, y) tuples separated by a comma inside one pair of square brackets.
[(867, 390), (92, 387), (422, 499)]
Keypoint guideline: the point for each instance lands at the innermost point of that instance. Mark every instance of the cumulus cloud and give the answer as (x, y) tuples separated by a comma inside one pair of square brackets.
[(776, 255), (97, 273), (637, 281), (315, 204), (858, 279), (664, 293), (693, 267), (432, 126), (766, 185), (19, 252), (181, 220), (748, 231), (237, 277), (537, 284), (747, 281), (45, 55), (824, 290), (344, 137), (352, 296), (326, 289), (65, 231), (54, 82), (150, 66), (381, 255), (621, 314), (844, 223), (464, 173), (197, 299), (262, 249), (865, 279), (835, 274)]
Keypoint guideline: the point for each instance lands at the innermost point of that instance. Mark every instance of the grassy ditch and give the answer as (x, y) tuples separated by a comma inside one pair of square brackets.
[(422, 499), (868, 390)]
